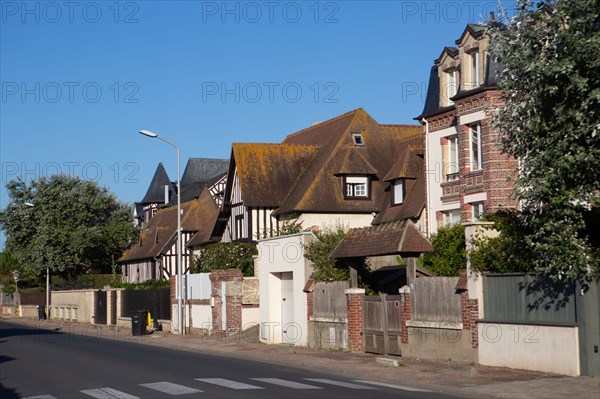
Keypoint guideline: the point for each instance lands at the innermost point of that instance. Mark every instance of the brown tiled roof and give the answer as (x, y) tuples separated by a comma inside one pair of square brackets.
[(399, 237), (210, 213), (409, 165), (266, 172), (318, 189), (161, 231)]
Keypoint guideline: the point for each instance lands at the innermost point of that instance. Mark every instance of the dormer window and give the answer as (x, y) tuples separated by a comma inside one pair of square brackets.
[(451, 85), (358, 140), (356, 187), (398, 191), (474, 69)]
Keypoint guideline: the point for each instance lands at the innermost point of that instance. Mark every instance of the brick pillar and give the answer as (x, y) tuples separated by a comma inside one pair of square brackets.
[(474, 313), (233, 306), (405, 292), (310, 305), (465, 310), (355, 319), (173, 289)]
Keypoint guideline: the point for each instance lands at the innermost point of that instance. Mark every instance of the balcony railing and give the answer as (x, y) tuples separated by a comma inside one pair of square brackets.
[(452, 176)]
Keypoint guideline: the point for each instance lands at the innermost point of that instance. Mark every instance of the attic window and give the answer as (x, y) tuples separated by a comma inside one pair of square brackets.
[(358, 139), (356, 187), (398, 192)]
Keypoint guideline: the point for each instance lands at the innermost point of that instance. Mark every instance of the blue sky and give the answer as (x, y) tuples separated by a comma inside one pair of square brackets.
[(80, 79)]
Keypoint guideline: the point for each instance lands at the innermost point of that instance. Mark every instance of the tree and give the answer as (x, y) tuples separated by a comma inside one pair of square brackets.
[(449, 252), (226, 255), (550, 121), (74, 227), (319, 252)]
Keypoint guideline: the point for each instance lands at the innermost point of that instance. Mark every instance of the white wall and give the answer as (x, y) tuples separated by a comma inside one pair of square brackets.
[(540, 348), (435, 172), (279, 255), (201, 316), (326, 220), (250, 317)]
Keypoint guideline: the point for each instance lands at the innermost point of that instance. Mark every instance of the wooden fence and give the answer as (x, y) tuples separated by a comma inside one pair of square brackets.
[(435, 299), (330, 299)]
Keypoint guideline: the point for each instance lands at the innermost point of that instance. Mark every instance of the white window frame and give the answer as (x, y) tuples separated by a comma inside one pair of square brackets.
[(475, 133), (451, 85), (474, 68), (477, 210), (356, 187), (451, 217), (398, 192), (453, 165)]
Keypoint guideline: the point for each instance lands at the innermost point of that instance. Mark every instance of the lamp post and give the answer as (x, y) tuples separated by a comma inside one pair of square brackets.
[(178, 266), (31, 205)]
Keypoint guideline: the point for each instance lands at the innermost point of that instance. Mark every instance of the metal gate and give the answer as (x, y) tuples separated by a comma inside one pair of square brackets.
[(382, 318), (588, 319), (100, 307), (113, 307)]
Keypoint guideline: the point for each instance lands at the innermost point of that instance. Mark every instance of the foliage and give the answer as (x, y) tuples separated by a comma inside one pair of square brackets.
[(318, 252), (75, 227), (289, 227), (506, 253), (550, 121), (226, 255), (145, 285), (85, 281), (449, 252)]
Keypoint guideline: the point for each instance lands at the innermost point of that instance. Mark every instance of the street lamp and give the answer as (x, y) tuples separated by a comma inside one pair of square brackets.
[(178, 266), (31, 205)]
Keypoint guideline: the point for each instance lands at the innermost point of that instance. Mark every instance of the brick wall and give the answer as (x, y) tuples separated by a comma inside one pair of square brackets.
[(310, 305), (406, 315), (233, 307), (355, 319)]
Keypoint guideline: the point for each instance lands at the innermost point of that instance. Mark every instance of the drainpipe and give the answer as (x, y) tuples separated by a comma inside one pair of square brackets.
[(427, 191)]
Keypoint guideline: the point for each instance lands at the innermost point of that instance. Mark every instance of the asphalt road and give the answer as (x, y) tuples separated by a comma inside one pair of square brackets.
[(47, 364)]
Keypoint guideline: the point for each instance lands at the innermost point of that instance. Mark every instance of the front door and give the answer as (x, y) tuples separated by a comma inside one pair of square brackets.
[(289, 329)]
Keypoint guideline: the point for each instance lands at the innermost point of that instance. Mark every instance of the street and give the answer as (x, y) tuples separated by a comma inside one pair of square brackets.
[(36, 363)]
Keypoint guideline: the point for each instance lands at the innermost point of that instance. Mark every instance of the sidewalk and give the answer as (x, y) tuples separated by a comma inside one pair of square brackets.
[(439, 376)]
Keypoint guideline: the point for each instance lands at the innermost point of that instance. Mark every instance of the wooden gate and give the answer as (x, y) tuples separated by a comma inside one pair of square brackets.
[(382, 318)]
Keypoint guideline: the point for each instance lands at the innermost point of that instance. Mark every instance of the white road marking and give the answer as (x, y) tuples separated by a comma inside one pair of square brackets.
[(170, 388), (41, 397), (338, 383), (228, 383), (383, 384), (286, 383), (108, 393)]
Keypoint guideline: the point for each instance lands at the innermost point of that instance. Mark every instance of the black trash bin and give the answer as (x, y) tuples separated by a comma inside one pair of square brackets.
[(41, 312), (138, 322)]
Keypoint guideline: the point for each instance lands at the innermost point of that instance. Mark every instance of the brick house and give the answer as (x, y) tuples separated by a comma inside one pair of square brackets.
[(466, 173)]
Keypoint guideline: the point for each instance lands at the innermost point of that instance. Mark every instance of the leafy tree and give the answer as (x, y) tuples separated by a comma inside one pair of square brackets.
[(550, 121), (75, 227), (506, 253), (226, 255), (449, 252), (289, 227), (318, 252)]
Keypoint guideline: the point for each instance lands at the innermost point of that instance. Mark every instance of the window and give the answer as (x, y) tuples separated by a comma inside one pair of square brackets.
[(452, 217), (477, 210), (474, 69), (451, 85), (239, 227), (356, 187), (398, 192), (475, 146), (452, 157), (358, 139)]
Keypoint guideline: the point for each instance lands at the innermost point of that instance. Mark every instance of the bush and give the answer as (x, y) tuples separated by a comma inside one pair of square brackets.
[(145, 285), (226, 255), (449, 252), (318, 252)]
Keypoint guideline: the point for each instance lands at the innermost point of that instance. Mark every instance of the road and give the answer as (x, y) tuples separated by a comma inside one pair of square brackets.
[(47, 364)]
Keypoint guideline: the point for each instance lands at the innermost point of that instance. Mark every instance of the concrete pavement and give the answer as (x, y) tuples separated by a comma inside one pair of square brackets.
[(438, 376)]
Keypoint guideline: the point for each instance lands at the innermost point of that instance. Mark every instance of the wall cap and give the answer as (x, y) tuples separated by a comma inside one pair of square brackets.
[(351, 291), (442, 325)]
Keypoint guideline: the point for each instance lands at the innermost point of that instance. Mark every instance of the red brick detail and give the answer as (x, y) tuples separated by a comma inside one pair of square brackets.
[(355, 322), (405, 317), (474, 313), (310, 305), (233, 307), (173, 289), (465, 310)]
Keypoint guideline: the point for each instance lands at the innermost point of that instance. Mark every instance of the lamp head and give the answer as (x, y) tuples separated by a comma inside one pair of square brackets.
[(148, 133)]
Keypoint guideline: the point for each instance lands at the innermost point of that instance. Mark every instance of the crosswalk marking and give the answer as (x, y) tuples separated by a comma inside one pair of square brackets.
[(41, 397), (170, 388), (338, 383), (108, 393), (286, 383), (228, 383), (383, 384)]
